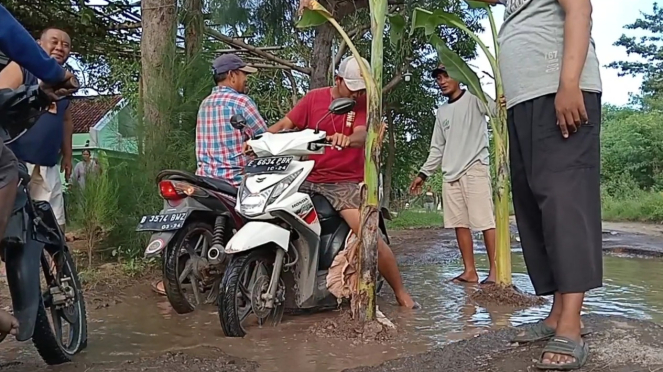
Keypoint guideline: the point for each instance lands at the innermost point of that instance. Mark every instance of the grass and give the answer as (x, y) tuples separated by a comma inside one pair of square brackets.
[(415, 218), (643, 206)]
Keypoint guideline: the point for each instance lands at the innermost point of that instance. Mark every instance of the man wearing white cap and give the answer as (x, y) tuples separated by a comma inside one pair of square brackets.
[(338, 174)]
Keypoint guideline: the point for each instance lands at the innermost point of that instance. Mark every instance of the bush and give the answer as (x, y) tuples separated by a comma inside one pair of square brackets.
[(413, 218), (94, 209)]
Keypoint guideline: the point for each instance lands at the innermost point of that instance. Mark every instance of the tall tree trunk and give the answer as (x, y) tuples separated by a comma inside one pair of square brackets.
[(391, 159), (157, 46), (321, 58), (193, 27)]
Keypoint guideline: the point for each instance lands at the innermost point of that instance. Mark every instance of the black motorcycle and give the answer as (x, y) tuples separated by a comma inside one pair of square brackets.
[(34, 242)]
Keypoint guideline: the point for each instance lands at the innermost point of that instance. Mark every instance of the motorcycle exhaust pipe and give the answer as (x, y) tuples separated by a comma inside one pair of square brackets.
[(214, 254)]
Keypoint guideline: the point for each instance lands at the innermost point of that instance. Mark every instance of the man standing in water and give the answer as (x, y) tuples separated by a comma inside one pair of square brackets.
[(553, 88), (460, 146)]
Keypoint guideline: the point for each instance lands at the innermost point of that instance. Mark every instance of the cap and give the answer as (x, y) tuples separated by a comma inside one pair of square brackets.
[(438, 70), (231, 62), (351, 73)]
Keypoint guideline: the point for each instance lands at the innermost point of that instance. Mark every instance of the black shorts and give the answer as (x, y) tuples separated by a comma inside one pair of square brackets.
[(8, 166), (557, 196)]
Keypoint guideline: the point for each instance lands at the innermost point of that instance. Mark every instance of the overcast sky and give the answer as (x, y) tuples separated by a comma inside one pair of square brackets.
[(609, 16)]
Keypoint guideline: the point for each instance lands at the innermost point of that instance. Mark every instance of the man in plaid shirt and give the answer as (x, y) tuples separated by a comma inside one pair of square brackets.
[(218, 144)]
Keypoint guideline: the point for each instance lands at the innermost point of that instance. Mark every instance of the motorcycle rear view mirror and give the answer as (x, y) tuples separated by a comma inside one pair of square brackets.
[(341, 106), (238, 121)]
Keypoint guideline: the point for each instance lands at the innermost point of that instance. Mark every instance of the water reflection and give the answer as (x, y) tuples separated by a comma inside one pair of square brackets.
[(631, 288)]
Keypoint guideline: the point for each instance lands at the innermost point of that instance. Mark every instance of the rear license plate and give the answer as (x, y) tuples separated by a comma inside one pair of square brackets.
[(266, 165), (162, 222)]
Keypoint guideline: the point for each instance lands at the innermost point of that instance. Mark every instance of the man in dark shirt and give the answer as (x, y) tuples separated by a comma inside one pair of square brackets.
[(17, 44), (49, 141)]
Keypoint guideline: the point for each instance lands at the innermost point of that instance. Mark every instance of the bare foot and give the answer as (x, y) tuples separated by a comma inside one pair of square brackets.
[(8, 324), (405, 300)]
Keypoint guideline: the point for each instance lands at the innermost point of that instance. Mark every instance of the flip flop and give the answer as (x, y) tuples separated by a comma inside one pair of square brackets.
[(486, 281), (540, 331), (564, 346), (458, 279), (155, 288)]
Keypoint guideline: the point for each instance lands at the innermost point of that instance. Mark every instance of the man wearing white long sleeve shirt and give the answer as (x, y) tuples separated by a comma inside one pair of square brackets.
[(460, 147)]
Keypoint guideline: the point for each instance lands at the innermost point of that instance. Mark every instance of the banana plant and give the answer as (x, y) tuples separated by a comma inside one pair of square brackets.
[(313, 14), (460, 71)]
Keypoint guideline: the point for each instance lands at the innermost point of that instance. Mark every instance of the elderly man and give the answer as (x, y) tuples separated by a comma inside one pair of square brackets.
[(47, 146)]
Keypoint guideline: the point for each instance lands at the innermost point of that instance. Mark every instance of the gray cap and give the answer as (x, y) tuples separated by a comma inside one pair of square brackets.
[(351, 73), (231, 62)]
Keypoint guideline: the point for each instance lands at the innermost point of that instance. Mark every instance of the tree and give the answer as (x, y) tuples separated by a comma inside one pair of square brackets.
[(460, 71), (649, 48)]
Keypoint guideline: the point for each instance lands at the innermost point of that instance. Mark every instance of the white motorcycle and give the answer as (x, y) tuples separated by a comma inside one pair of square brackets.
[(280, 258)]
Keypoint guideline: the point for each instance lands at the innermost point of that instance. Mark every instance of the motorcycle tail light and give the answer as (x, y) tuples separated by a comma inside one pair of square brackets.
[(175, 190)]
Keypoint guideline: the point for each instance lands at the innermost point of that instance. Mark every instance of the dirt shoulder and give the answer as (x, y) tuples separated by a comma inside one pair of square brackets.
[(617, 345)]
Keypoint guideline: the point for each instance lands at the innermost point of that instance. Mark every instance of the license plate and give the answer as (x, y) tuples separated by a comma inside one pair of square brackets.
[(162, 222), (266, 165)]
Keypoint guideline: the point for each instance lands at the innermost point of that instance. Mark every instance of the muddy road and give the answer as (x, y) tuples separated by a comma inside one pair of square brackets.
[(133, 330)]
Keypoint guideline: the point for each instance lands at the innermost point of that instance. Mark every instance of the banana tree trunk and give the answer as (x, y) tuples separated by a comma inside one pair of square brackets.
[(502, 191), (363, 303)]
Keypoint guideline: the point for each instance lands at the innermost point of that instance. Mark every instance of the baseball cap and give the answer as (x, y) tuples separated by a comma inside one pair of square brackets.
[(351, 73), (231, 62), (438, 70)]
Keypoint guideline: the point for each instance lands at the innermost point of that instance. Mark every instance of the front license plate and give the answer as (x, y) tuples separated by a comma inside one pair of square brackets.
[(267, 165), (162, 222)]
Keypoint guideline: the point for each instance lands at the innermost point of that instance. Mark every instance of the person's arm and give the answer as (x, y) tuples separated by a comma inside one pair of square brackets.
[(296, 118), (11, 77), (254, 121), (17, 44), (359, 131), (577, 32), (437, 144), (487, 109)]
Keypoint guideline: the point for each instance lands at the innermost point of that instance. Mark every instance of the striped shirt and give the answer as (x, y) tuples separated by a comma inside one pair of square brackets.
[(218, 144)]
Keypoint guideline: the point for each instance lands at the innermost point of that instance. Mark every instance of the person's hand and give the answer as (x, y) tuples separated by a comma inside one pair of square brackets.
[(502, 101), (66, 167), (570, 109), (68, 87), (415, 186), (339, 139), (246, 149)]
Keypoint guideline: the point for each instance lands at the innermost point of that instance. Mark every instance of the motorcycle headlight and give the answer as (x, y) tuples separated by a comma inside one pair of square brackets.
[(283, 185)]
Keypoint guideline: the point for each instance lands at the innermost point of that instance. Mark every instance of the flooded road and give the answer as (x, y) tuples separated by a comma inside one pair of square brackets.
[(143, 325)]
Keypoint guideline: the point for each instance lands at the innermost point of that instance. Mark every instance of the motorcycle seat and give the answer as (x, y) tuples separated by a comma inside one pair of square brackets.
[(219, 185), (323, 207)]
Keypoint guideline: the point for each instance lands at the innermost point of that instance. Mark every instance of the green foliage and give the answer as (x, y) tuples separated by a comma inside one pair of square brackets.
[(413, 218), (649, 48), (94, 209)]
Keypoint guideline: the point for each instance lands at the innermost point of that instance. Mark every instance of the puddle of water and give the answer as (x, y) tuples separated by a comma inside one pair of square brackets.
[(631, 288)]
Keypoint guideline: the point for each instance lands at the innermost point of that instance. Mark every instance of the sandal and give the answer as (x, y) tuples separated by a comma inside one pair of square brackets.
[(564, 346), (540, 331), (156, 289), (458, 279)]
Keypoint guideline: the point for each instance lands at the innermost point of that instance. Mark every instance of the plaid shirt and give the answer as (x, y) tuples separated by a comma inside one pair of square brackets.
[(218, 144)]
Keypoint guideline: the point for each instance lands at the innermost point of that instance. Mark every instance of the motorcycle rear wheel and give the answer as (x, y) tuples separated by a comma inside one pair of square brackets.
[(48, 334), (183, 247)]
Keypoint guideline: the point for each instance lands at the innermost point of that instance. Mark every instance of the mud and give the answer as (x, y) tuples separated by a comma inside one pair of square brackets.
[(617, 345), (344, 327), (132, 329), (494, 294)]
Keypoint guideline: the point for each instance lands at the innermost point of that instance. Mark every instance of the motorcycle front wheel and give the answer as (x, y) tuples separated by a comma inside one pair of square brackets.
[(59, 338), (240, 298)]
